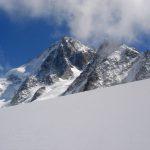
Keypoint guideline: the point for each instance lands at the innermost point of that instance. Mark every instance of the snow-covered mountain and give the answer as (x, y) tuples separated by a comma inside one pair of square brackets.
[(69, 67), (113, 64), (50, 74)]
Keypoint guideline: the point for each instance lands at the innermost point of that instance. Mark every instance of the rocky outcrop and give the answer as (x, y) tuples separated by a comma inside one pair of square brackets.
[(38, 93), (119, 65)]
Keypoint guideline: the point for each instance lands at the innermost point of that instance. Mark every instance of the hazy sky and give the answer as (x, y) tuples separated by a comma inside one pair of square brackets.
[(27, 27)]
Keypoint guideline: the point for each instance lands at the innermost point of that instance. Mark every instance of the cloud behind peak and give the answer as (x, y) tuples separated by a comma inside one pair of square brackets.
[(89, 19)]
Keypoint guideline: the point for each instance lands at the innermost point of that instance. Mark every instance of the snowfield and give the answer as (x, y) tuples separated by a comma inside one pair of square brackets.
[(115, 118)]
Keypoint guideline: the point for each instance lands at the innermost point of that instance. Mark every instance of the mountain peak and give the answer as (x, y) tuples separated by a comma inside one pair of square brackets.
[(57, 66), (114, 64), (66, 38)]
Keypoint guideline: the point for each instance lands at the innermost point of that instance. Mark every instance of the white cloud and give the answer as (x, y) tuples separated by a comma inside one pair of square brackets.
[(89, 19)]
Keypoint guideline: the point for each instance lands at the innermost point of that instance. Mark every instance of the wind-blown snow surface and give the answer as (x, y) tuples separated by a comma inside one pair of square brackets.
[(115, 118)]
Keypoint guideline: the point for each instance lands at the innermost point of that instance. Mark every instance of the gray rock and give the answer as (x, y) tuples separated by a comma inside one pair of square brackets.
[(38, 93)]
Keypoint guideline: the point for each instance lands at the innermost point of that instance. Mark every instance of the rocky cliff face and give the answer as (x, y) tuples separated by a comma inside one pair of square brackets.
[(112, 65), (144, 72)]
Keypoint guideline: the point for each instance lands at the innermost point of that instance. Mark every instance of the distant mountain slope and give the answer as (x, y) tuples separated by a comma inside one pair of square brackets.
[(113, 64)]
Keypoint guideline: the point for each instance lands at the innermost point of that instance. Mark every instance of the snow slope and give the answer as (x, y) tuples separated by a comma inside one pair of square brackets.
[(115, 118), (59, 87)]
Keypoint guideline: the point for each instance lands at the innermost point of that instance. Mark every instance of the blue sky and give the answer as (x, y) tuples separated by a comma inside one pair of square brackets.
[(27, 28), (22, 41)]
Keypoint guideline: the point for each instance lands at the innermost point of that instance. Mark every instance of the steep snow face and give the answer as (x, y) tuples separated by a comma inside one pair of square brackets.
[(8, 89), (32, 67), (54, 70), (118, 65)]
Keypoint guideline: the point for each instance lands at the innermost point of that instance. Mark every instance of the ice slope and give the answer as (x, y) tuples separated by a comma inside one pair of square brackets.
[(115, 118)]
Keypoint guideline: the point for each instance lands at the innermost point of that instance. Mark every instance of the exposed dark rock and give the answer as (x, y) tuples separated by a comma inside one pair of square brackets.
[(24, 91), (38, 93)]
